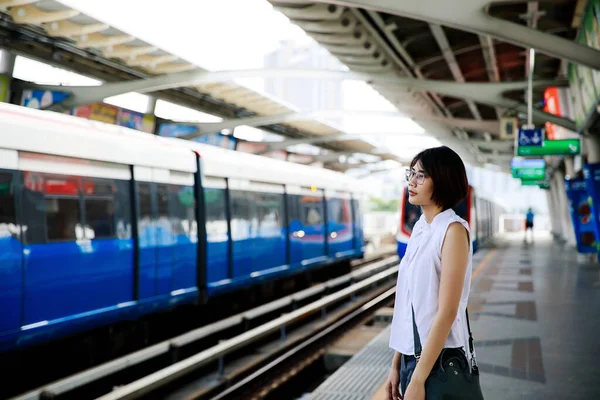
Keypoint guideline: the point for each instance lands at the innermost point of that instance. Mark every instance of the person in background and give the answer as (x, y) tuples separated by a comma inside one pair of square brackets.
[(528, 224)]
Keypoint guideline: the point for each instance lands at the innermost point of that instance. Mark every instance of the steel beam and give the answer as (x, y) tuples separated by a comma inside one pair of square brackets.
[(446, 49), (256, 121), (472, 16), (487, 93)]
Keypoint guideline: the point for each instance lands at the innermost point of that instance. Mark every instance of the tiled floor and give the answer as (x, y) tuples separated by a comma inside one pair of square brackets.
[(535, 315)]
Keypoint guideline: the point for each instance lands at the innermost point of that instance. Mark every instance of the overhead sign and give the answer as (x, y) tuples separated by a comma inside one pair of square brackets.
[(543, 184), (529, 169), (531, 137), (566, 147)]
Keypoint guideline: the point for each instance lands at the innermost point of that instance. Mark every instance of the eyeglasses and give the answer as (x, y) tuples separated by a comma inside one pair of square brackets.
[(411, 174)]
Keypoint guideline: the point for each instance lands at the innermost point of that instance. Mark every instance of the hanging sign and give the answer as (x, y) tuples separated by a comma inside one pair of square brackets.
[(531, 169), (566, 147), (531, 137)]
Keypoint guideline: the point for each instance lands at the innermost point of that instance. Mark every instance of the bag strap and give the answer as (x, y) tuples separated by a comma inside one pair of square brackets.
[(417, 339)]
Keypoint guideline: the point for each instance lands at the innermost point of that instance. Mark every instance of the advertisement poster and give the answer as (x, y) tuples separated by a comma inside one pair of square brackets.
[(214, 139), (135, 120), (580, 208), (176, 130), (98, 112), (40, 99), (591, 173), (4, 82)]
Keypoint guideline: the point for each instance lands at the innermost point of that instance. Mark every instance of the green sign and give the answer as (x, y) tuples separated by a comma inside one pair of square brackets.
[(535, 174), (566, 147), (543, 184)]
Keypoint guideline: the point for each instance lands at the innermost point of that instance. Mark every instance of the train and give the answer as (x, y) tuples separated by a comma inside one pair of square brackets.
[(481, 214), (101, 224)]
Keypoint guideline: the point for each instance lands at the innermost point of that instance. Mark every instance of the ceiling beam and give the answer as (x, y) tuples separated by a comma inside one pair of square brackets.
[(486, 93), (472, 16)]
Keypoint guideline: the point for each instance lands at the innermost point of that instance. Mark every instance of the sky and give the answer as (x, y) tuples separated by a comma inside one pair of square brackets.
[(237, 34)]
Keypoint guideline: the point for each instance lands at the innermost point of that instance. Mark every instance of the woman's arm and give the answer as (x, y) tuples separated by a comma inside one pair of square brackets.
[(455, 257)]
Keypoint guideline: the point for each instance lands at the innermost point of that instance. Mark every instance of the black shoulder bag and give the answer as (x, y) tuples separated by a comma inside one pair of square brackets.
[(451, 377)]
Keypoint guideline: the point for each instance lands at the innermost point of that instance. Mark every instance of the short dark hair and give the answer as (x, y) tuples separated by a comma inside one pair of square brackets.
[(447, 170)]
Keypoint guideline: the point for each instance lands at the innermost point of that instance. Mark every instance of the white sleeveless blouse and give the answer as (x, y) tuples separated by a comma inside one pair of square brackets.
[(419, 282)]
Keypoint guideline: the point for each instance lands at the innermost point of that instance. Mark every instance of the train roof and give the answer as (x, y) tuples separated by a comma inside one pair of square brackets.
[(38, 131)]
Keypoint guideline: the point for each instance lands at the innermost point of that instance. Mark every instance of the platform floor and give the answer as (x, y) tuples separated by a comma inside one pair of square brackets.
[(535, 315)]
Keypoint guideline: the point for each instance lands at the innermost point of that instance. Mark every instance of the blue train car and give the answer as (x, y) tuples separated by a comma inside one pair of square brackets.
[(480, 213), (102, 224)]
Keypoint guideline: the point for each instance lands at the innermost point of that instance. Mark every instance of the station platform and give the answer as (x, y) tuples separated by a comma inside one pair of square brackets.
[(535, 316)]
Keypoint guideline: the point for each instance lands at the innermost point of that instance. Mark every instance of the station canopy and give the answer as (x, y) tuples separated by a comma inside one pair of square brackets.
[(342, 123)]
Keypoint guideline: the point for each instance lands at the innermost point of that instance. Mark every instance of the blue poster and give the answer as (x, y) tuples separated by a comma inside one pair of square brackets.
[(41, 99), (580, 207), (215, 139), (591, 173)]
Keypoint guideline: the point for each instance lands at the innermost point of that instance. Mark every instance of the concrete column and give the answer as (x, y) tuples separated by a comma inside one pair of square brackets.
[(151, 105), (569, 167), (592, 148), (556, 212), (566, 223), (552, 211), (7, 66)]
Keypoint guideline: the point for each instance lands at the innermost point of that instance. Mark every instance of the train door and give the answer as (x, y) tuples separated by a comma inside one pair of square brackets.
[(306, 225), (358, 224), (242, 229), (340, 227), (270, 232), (156, 240), (11, 275)]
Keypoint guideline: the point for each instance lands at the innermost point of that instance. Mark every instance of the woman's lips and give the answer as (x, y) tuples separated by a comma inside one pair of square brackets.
[(411, 193)]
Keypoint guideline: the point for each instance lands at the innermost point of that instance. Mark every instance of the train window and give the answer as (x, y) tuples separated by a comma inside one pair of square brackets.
[(8, 217), (312, 210), (62, 218), (163, 201), (182, 214), (269, 212), (241, 221), (216, 220), (99, 218), (32, 208), (339, 211), (100, 209), (145, 209), (411, 215)]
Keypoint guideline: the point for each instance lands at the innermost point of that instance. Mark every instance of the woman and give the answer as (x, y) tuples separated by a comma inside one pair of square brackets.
[(434, 275)]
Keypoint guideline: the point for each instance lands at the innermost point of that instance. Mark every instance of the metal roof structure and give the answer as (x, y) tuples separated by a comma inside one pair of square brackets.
[(50, 30), (457, 67)]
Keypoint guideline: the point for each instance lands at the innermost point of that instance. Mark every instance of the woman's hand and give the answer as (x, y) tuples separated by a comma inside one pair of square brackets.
[(415, 390), (392, 386)]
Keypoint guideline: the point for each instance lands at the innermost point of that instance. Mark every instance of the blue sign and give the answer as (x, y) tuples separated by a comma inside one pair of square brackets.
[(531, 137), (580, 208)]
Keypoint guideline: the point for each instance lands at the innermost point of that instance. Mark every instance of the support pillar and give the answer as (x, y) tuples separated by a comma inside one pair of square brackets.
[(554, 228), (569, 167), (151, 105), (7, 66), (592, 149), (563, 211)]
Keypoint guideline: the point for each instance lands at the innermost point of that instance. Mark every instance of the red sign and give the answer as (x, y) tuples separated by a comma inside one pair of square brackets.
[(552, 106)]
